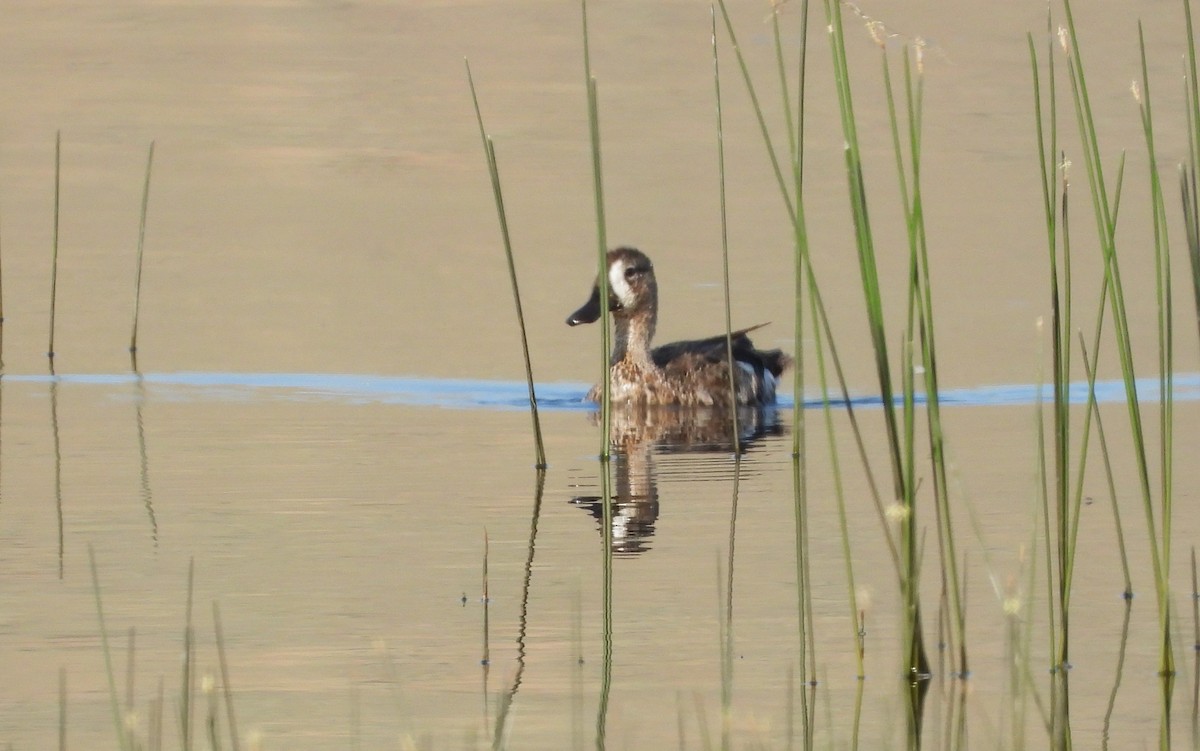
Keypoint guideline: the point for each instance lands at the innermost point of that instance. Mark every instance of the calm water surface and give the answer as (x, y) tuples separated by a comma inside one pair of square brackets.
[(320, 206)]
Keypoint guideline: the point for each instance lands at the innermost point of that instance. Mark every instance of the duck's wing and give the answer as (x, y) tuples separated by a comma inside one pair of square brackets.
[(713, 349)]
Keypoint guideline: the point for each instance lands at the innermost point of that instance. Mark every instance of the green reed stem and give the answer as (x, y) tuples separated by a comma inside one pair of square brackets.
[(1048, 172), (727, 619), (903, 484), (489, 150), (54, 242), (1191, 220), (486, 659), (122, 737), (1119, 671), (1067, 513), (156, 718), (1094, 411), (1190, 200), (225, 684), (189, 657), (1091, 369), (903, 487), (840, 497), (1158, 539), (137, 281), (1, 310), (606, 661), (921, 298), (799, 231), (62, 709), (129, 672), (795, 132), (733, 401), (804, 602), (1195, 653), (1166, 346), (602, 244), (807, 277), (1030, 688)]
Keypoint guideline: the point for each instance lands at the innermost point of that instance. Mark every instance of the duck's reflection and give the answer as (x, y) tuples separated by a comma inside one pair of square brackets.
[(641, 433)]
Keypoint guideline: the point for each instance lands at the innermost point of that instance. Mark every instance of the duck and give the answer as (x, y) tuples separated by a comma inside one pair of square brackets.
[(692, 373)]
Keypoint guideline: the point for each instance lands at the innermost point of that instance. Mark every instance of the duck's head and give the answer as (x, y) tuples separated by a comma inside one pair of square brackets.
[(631, 288)]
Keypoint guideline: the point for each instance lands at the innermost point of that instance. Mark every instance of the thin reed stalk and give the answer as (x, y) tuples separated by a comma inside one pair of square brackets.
[(156, 718), (1195, 653), (726, 620), (1094, 411), (725, 651), (123, 739), (58, 473), (187, 695), (804, 604), (840, 498), (807, 276), (1106, 228), (1191, 220), (486, 659), (129, 672), (1, 318), (733, 402), (1165, 321), (489, 150), (601, 244), (54, 245), (702, 722), (141, 247), (1119, 672), (606, 657), (801, 258), (62, 709), (921, 327), (1191, 202), (226, 688), (210, 718), (1048, 170), (577, 669), (904, 487)]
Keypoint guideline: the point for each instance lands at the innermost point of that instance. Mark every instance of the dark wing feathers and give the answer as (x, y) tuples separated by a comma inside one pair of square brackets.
[(713, 349)]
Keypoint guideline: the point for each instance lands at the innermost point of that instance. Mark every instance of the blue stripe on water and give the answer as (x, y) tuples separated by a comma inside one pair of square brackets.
[(458, 393)]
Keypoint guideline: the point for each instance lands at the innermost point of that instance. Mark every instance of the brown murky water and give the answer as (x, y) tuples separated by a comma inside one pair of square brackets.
[(320, 205)]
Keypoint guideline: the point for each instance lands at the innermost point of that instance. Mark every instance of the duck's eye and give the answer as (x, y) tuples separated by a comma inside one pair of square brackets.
[(632, 272)]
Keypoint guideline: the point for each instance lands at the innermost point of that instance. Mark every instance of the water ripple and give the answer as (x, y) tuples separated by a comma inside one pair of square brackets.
[(457, 393)]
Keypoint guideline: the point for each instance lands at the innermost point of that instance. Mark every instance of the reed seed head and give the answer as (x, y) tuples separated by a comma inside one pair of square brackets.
[(1064, 39), (1136, 91), (898, 512), (206, 684), (877, 32), (863, 598)]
